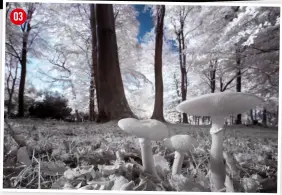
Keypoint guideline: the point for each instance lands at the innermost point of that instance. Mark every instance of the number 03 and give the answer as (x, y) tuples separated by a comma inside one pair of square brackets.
[(18, 16)]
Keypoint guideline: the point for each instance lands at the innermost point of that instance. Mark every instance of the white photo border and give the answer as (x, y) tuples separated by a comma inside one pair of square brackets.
[(264, 3)]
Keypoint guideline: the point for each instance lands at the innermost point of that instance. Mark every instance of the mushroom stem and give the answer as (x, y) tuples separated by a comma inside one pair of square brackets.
[(147, 157), (217, 166), (177, 163)]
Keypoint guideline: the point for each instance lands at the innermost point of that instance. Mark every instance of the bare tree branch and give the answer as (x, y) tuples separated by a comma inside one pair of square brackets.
[(116, 15), (231, 80), (16, 55), (193, 29), (33, 38), (264, 50)]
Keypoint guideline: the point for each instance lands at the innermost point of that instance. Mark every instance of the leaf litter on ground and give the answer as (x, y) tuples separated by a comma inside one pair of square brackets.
[(102, 157)]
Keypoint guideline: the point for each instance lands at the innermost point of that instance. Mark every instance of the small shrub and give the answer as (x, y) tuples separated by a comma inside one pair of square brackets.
[(53, 106)]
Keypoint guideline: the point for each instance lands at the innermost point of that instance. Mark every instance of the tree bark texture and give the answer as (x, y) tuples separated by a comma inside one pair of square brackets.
[(158, 106), (112, 102)]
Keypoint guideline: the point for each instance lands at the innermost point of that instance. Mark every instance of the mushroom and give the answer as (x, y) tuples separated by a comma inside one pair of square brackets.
[(181, 144), (146, 130), (218, 106)]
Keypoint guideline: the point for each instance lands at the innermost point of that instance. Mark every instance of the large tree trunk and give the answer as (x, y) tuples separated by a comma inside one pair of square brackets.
[(238, 81), (158, 106), (94, 54), (111, 98)]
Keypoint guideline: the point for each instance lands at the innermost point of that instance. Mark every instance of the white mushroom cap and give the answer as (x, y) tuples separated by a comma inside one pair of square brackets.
[(181, 143), (149, 129), (219, 104)]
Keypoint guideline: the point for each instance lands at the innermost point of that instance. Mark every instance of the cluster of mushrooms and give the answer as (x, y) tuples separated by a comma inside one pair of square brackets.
[(217, 106)]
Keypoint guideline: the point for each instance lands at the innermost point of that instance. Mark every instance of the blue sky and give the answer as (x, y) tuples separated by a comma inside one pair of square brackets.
[(146, 24), (145, 19)]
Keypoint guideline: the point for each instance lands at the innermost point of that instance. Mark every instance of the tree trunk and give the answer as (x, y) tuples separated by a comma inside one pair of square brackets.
[(264, 117), (92, 97), (182, 61), (11, 94), (238, 89), (183, 75), (158, 105), (221, 84), (12, 89), (77, 116), (94, 57), (277, 116), (212, 77), (238, 81), (255, 117), (26, 28), (23, 76), (112, 101), (252, 117), (9, 107), (179, 118)]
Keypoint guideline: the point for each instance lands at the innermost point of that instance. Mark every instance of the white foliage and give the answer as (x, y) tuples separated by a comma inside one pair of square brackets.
[(211, 32)]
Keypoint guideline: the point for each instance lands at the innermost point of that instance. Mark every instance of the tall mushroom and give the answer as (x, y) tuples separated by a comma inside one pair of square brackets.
[(145, 130), (218, 106), (181, 144)]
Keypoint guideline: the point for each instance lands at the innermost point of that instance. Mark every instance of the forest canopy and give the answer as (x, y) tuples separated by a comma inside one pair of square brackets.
[(205, 49)]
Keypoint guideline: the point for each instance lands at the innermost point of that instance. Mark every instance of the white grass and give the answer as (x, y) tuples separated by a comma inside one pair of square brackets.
[(255, 149)]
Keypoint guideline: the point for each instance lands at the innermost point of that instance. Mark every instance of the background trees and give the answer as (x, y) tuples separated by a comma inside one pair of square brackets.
[(202, 50), (24, 41)]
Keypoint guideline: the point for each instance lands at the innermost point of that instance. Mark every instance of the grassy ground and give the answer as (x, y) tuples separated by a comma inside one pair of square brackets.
[(65, 155)]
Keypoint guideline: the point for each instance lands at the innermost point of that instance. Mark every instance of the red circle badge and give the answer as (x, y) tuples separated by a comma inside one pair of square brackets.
[(18, 16)]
